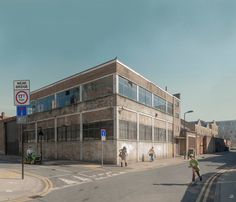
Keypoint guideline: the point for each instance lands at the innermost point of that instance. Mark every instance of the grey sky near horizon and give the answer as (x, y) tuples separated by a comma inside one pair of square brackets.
[(188, 46)]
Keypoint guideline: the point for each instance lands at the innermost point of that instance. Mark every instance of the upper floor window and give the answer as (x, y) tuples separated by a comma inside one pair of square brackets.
[(169, 108), (68, 97), (145, 96), (127, 88), (159, 103), (98, 88), (43, 104)]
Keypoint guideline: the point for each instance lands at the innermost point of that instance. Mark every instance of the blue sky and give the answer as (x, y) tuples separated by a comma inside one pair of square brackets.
[(187, 45)]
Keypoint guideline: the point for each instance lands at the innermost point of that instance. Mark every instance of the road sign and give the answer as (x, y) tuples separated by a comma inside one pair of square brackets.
[(21, 111), (21, 119), (21, 85), (21, 92), (22, 97), (103, 134)]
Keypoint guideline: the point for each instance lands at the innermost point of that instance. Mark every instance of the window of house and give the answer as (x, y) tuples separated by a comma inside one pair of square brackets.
[(98, 88), (128, 130), (127, 88), (159, 103), (145, 97), (93, 130), (68, 97)]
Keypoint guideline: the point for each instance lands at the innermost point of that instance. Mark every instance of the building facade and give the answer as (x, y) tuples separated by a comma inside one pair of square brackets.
[(134, 112), (198, 136)]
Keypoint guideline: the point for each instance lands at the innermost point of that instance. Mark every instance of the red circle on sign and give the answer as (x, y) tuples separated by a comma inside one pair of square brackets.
[(21, 97)]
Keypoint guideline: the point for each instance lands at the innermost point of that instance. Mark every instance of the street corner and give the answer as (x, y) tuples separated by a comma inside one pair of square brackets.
[(14, 188)]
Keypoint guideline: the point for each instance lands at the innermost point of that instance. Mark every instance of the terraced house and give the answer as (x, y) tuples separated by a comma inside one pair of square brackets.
[(135, 113)]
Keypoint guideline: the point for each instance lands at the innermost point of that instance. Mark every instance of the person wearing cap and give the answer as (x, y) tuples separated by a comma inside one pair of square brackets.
[(193, 163)]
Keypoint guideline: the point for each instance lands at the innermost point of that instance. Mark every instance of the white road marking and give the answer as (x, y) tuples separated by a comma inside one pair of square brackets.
[(82, 178), (9, 191), (68, 181)]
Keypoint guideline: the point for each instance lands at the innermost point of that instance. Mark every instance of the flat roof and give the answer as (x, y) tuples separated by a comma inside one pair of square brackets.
[(97, 67)]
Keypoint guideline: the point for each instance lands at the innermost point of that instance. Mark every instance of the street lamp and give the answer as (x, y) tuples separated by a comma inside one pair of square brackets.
[(190, 111), (185, 132), (40, 134)]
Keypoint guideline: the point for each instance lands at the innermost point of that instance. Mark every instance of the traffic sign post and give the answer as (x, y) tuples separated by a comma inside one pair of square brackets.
[(103, 139), (21, 100)]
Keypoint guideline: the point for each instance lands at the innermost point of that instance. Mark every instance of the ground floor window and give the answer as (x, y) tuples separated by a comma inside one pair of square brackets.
[(93, 130), (128, 130)]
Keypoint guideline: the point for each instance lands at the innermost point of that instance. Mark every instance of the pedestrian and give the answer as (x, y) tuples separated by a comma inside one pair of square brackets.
[(123, 154), (193, 163), (29, 152), (151, 153)]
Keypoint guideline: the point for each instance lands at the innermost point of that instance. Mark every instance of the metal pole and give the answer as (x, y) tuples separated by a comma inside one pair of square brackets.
[(22, 152), (102, 153)]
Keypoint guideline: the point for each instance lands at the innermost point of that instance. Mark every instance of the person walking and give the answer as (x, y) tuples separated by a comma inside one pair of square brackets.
[(193, 163), (123, 154), (151, 153)]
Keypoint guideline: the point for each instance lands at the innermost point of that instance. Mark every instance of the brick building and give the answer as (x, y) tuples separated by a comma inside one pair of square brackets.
[(198, 136), (134, 111)]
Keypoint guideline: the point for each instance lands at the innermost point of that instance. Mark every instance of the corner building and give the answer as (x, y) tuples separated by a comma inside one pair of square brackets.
[(134, 112)]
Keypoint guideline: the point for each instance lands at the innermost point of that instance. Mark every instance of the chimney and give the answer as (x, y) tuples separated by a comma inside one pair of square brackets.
[(2, 115)]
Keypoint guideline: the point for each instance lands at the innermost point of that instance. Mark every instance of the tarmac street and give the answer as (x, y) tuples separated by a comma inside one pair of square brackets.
[(161, 180)]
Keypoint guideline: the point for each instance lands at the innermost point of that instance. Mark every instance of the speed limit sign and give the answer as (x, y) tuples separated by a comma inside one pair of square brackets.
[(22, 97)]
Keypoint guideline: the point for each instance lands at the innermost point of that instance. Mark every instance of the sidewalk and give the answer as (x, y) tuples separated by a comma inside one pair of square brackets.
[(13, 188)]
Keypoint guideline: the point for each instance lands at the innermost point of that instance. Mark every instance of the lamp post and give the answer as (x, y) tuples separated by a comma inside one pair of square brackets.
[(40, 133), (185, 131)]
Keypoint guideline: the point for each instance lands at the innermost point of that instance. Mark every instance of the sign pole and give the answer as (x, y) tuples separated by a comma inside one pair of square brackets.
[(102, 153), (22, 151)]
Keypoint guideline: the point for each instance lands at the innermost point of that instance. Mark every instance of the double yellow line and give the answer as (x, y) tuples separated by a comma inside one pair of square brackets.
[(202, 197)]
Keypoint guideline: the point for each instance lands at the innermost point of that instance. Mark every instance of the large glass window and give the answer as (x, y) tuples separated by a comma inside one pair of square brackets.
[(93, 130), (68, 97), (127, 88), (159, 134), (98, 88), (169, 108), (128, 130), (159, 103), (145, 132), (68, 133), (44, 104), (145, 96)]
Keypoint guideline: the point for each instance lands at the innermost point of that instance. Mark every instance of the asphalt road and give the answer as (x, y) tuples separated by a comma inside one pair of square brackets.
[(168, 184)]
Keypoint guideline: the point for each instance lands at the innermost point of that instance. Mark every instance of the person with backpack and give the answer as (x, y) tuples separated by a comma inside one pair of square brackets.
[(123, 154)]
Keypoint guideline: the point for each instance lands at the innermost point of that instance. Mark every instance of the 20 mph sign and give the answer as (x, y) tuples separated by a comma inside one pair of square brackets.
[(22, 92)]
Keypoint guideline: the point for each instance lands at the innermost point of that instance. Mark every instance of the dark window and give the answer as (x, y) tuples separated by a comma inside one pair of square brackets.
[(145, 132), (68, 133), (93, 130), (98, 88), (128, 130), (68, 97)]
